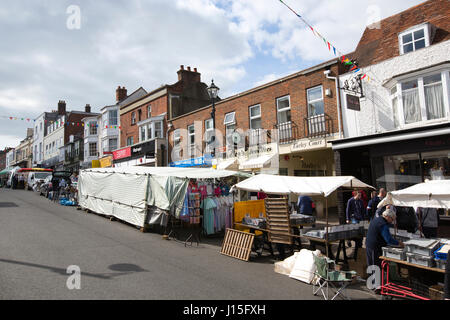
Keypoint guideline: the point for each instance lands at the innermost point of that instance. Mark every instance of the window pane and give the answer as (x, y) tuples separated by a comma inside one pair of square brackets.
[(315, 93), (432, 79), (419, 34), (407, 38), (255, 123), (409, 85), (419, 44), (255, 111), (394, 108), (408, 48), (315, 108), (208, 124), (229, 118), (434, 100), (436, 165), (411, 104), (191, 129), (284, 116), (142, 133), (283, 103)]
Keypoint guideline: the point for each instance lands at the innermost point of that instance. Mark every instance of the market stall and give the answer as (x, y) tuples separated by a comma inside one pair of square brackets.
[(422, 260), (150, 195), (312, 186)]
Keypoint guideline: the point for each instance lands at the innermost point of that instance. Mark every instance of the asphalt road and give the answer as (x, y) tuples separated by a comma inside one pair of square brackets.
[(39, 240)]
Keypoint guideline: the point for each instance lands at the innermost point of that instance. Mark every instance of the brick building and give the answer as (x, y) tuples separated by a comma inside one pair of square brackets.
[(3, 158), (144, 121), (399, 133), (282, 127)]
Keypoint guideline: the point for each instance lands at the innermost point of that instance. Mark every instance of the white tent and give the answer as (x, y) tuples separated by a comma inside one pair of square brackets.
[(285, 185), (127, 192), (429, 194), (323, 186)]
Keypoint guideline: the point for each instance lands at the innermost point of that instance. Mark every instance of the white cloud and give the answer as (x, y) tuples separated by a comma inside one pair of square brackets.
[(9, 141)]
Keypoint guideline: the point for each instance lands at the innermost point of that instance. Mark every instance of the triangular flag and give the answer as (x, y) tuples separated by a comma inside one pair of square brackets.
[(353, 68), (357, 70), (329, 48), (334, 49), (365, 75)]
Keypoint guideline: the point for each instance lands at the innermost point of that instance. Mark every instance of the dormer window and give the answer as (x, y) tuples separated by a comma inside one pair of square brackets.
[(414, 38)]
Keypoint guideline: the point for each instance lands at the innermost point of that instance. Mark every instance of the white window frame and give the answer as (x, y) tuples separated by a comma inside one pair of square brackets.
[(93, 124), (284, 109), (110, 118), (445, 79), (311, 101), (145, 137), (133, 118), (254, 117), (191, 144), (395, 109), (161, 131), (177, 138), (208, 134), (130, 141), (232, 120), (93, 154), (149, 111), (109, 144), (426, 33)]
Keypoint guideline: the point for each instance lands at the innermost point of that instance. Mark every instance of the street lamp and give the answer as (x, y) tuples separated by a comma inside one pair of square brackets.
[(212, 91)]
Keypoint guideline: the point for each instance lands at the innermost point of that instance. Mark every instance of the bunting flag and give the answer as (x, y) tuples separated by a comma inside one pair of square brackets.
[(344, 60)]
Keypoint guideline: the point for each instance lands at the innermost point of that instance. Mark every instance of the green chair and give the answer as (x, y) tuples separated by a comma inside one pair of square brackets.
[(329, 277)]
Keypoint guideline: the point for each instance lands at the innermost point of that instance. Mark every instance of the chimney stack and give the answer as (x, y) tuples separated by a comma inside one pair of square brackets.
[(188, 76), (121, 93), (87, 108), (61, 107)]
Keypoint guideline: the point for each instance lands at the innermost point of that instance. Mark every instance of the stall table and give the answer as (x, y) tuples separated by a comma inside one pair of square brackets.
[(417, 275)]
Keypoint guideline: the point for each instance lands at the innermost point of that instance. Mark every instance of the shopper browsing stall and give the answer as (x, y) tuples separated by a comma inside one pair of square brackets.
[(378, 236)]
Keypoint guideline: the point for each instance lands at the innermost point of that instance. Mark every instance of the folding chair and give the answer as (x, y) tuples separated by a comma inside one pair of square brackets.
[(328, 276)]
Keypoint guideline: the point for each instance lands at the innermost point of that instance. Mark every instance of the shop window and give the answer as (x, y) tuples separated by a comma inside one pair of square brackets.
[(397, 171), (283, 171), (436, 165)]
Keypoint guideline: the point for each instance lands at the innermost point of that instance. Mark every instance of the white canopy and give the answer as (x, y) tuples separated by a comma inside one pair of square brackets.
[(257, 163), (324, 186), (429, 194), (189, 173)]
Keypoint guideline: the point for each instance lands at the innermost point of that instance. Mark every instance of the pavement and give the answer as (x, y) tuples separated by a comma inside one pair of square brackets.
[(40, 239)]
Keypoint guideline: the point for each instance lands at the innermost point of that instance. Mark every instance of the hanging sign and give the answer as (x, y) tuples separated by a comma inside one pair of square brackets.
[(353, 102)]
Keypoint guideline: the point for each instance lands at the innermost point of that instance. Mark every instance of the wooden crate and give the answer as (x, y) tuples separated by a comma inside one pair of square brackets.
[(237, 244), (278, 222)]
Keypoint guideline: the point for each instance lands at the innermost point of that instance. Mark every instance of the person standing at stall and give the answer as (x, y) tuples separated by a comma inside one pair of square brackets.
[(355, 209), (378, 236), (305, 205), (373, 203)]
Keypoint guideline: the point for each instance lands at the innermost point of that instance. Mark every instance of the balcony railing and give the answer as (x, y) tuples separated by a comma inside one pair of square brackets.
[(318, 126), (286, 132)]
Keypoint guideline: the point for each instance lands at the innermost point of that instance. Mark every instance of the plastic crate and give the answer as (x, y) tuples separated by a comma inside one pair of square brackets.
[(420, 260), (440, 263), (394, 253), (425, 247), (439, 255)]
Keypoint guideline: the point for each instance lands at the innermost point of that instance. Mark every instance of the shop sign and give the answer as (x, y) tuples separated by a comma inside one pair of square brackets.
[(95, 164), (106, 162), (262, 149), (144, 148), (303, 145), (122, 153), (353, 102)]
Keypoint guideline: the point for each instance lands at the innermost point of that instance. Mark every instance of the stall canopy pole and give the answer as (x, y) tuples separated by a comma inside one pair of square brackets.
[(326, 218)]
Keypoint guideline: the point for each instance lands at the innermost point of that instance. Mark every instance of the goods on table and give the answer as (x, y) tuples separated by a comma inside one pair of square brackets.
[(297, 218), (395, 253), (440, 263), (442, 252), (422, 246), (345, 231), (422, 260), (257, 222)]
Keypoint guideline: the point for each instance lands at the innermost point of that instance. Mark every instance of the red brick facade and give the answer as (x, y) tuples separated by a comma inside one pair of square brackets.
[(295, 86)]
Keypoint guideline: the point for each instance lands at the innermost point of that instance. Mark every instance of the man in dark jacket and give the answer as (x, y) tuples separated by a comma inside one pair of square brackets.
[(355, 209), (378, 236)]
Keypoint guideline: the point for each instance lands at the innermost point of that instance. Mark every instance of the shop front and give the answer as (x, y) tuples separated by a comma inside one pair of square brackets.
[(142, 154)]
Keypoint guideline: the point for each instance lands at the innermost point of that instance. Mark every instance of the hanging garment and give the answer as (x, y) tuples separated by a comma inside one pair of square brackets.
[(208, 206)]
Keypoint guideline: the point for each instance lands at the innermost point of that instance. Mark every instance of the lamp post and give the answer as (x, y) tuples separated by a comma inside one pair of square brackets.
[(213, 91)]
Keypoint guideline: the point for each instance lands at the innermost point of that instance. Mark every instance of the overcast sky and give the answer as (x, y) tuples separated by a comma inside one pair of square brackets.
[(134, 43)]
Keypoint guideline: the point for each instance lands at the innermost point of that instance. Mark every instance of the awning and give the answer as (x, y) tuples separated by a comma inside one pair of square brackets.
[(227, 164), (324, 186), (257, 163), (429, 194), (5, 171)]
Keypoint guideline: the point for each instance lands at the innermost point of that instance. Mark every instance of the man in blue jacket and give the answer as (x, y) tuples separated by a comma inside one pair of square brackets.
[(355, 209), (378, 236)]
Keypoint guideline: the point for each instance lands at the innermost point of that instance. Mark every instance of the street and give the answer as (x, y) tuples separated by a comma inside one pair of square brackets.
[(40, 239)]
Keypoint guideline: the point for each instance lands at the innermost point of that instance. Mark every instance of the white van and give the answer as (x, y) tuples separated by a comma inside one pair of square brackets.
[(37, 176)]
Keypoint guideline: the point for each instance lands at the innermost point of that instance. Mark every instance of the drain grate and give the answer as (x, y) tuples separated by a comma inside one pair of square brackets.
[(8, 205)]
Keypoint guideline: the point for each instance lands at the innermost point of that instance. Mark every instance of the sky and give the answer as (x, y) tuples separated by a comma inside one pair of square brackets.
[(80, 51)]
